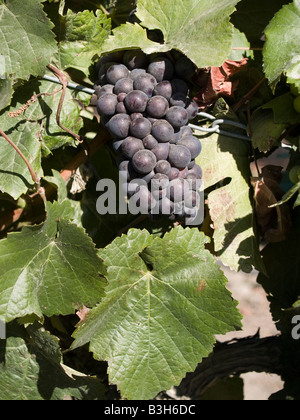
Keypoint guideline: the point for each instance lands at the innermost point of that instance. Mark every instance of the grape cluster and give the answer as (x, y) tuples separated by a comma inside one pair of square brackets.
[(144, 103)]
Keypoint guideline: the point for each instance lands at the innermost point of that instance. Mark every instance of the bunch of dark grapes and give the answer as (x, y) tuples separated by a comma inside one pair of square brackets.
[(144, 103)]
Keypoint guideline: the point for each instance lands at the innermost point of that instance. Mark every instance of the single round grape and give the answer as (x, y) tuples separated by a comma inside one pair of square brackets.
[(130, 146), (164, 89), (116, 72), (124, 85), (161, 68), (135, 73), (140, 127), (162, 131), (145, 83), (135, 59), (120, 108), (162, 167), (150, 142), (157, 106), (136, 101), (105, 89), (177, 116), (126, 171), (184, 68), (178, 99), (118, 126), (192, 109), (196, 170), (122, 96), (161, 151), (159, 184), (102, 76), (174, 173), (193, 144), (179, 156), (183, 172), (186, 131), (144, 161), (136, 115), (106, 104)]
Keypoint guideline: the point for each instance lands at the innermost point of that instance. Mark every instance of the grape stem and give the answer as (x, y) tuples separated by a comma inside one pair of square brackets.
[(33, 174), (64, 81)]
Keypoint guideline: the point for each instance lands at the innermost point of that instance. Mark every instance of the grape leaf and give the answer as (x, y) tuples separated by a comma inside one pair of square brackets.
[(26, 40), (165, 300), (54, 271), (32, 369), (201, 30), (81, 37), (34, 131), (226, 159), (282, 48)]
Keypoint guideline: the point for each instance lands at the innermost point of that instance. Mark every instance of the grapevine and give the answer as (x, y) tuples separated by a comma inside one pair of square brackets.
[(148, 150)]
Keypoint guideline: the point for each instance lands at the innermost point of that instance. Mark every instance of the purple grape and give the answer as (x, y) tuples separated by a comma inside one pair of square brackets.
[(140, 128), (157, 106), (179, 156), (196, 170), (174, 173), (177, 116), (166, 206), (161, 151), (143, 199), (136, 115), (120, 108), (118, 126), (144, 161), (186, 131), (178, 99), (117, 144), (164, 89), (177, 189), (159, 184), (192, 109), (150, 142), (136, 101), (127, 171), (117, 72), (130, 146), (105, 89), (162, 167), (102, 77), (194, 181), (162, 131), (193, 144), (106, 104), (135, 59), (146, 83), (124, 85), (191, 199), (135, 73), (161, 68)]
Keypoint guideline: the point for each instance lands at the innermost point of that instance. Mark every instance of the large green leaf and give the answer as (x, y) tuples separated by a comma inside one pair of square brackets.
[(200, 29), (49, 269), (165, 300), (31, 369), (226, 160), (26, 40), (82, 35), (33, 131), (282, 47)]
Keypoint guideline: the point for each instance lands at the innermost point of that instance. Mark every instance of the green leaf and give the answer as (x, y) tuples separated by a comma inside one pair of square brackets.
[(34, 130), (266, 132), (200, 30), (82, 35), (32, 369), (53, 271), (165, 300), (282, 48), (283, 109), (6, 92), (226, 160), (26, 40)]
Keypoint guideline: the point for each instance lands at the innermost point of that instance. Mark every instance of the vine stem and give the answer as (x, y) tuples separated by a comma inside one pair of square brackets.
[(33, 174)]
